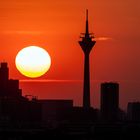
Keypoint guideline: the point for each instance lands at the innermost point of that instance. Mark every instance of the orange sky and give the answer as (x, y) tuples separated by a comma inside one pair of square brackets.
[(56, 26)]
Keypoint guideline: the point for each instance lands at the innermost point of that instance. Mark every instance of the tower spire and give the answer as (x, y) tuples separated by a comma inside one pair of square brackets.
[(87, 27), (86, 44)]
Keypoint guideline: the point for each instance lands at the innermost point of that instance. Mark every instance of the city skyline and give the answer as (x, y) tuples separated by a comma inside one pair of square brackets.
[(28, 117), (56, 27)]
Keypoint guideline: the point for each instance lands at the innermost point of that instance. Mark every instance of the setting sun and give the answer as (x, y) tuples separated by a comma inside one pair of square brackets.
[(33, 61)]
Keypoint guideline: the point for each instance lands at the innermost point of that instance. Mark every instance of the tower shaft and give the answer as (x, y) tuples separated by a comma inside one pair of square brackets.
[(86, 90)]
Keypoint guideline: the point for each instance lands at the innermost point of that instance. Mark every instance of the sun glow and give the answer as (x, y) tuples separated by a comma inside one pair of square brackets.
[(33, 61)]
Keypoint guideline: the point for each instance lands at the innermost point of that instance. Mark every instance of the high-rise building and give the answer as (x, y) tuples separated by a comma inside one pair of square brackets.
[(4, 75), (13, 106), (8, 87), (133, 111), (109, 101), (86, 44)]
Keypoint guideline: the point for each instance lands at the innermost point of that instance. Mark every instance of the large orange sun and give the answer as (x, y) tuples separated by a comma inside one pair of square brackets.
[(33, 61)]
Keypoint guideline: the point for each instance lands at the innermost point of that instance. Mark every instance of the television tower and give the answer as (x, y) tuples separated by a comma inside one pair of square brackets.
[(86, 44)]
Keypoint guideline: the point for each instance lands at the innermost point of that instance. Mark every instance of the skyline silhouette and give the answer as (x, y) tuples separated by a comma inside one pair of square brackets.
[(28, 117)]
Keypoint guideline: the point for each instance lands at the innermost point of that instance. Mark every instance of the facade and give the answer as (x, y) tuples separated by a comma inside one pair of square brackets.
[(133, 111), (109, 101), (55, 110), (8, 87)]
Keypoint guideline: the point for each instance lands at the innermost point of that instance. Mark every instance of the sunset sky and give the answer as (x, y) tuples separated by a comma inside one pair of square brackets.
[(55, 25)]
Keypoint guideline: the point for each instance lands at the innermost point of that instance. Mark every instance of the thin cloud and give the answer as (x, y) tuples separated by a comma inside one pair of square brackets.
[(49, 80), (103, 38), (23, 32), (61, 81)]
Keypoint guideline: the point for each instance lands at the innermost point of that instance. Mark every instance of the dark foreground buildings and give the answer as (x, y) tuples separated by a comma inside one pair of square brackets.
[(24, 118), (109, 101), (15, 108), (133, 111), (21, 118)]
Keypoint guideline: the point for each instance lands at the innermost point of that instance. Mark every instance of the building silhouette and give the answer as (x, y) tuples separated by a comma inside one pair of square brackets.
[(55, 110), (16, 108), (109, 106), (86, 44), (8, 87), (133, 111), (13, 106)]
